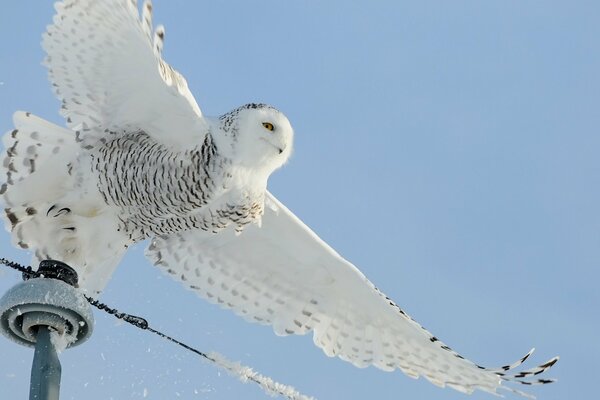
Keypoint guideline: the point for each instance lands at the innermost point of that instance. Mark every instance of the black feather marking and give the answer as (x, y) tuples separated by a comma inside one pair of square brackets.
[(14, 220), (50, 209)]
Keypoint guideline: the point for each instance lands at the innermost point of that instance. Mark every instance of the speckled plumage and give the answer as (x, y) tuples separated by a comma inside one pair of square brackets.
[(157, 197), (140, 161)]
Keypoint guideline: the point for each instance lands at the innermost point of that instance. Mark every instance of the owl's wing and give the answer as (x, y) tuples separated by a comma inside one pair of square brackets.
[(284, 275), (105, 65)]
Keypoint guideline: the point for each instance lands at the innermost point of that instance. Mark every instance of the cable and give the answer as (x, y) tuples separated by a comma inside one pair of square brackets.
[(242, 372)]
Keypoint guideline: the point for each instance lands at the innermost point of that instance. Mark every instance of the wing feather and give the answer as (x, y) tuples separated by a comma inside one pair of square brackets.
[(105, 65), (284, 275)]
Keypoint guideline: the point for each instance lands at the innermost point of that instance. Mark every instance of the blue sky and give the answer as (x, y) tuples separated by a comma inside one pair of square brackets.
[(448, 149)]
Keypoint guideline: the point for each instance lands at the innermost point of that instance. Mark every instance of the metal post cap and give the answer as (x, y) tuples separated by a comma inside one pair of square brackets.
[(48, 302)]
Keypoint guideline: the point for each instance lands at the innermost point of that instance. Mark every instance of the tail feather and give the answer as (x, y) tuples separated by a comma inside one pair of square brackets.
[(39, 151), (43, 206), (31, 143), (35, 171)]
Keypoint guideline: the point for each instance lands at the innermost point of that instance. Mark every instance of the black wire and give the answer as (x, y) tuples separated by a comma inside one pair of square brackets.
[(142, 323), (136, 321), (24, 270)]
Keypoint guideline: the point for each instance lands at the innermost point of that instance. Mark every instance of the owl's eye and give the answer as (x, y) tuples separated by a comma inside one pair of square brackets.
[(269, 126)]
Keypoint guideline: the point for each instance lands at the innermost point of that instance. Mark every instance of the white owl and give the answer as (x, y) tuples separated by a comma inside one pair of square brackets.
[(140, 161)]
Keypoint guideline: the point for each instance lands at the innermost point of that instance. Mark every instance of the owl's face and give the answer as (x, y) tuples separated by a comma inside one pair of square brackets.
[(259, 136)]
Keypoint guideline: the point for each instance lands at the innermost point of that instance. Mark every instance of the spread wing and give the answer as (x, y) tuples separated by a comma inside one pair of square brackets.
[(284, 275), (104, 62)]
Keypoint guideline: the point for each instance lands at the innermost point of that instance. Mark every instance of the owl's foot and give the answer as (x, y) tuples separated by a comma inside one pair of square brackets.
[(66, 232)]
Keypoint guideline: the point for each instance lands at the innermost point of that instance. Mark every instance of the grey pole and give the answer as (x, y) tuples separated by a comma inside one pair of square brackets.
[(32, 311), (45, 370)]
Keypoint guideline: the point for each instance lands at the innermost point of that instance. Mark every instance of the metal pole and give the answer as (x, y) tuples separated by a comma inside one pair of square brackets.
[(45, 370), (32, 309)]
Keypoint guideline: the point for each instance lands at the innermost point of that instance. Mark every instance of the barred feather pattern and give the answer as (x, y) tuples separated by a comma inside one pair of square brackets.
[(170, 191)]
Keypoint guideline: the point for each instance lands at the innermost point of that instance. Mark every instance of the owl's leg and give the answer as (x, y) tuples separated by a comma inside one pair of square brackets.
[(66, 232), (88, 239)]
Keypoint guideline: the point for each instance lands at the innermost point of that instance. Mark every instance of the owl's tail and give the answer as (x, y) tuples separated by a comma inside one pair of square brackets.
[(38, 197), (35, 163)]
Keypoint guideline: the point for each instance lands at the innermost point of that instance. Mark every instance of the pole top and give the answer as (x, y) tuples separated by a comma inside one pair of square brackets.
[(49, 301)]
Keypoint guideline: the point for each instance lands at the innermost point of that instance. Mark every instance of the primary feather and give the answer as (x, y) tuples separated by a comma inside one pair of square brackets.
[(140, 161)]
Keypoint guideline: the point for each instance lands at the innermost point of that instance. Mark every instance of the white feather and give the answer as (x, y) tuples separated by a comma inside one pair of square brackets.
[(104, 68), (283, 274), (105, 64)]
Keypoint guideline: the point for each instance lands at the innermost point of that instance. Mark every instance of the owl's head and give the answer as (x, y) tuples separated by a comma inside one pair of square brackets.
[(255, 136)]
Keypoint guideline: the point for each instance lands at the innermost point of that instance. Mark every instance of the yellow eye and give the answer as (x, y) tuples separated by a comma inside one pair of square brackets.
[(269, 126)]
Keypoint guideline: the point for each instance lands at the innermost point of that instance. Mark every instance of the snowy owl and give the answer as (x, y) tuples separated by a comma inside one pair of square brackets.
[(138, 160)]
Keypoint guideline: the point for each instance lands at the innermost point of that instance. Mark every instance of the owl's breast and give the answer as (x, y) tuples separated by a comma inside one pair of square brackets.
[(149, 184)]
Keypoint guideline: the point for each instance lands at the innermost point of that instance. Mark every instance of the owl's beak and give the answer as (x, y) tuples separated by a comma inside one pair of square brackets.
[(279, 147)]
